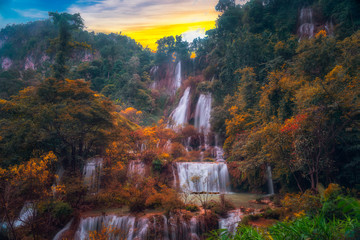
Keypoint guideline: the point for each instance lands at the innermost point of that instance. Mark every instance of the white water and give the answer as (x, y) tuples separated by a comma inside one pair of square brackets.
[(177, 79), (136, 168), (270, 180), (203, 177), (219, 152), (62, 231), (179, 115), (27, 212), (124, 225), (91, 173), (307, 26), (231, 222), (133, 228), (202, 113)]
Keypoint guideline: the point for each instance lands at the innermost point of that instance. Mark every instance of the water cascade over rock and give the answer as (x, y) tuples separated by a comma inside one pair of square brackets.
[(202, 113), (307, 27), (58, 236), (231, 222), (270, 180), (177, 79), (125, 226), (91, 173), (177, 227), (179, 115), (27, 213), (136, 168), (199, 177)]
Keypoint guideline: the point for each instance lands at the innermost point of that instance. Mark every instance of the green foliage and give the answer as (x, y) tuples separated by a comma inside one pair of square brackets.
[(59, 210), (66, 23), (192, 208)]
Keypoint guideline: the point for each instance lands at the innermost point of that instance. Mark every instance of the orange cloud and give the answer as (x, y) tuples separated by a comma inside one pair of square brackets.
[(148, 36), (147, 21)]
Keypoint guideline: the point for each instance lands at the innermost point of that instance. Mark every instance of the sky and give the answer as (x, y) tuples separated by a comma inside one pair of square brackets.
[(144, 20)]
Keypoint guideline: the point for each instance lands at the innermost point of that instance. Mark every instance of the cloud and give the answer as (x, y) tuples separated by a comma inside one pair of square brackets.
[(189, 36), (141, 18), (32, 13)]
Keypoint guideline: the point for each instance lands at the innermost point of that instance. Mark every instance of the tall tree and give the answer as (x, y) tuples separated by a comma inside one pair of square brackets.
[(66, 23)]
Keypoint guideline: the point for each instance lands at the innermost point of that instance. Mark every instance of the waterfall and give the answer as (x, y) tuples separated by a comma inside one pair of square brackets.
[(329, 27), (202, 113), (124, 226), (177, 79), (219, 152), (270, 180), (177, 227), (307, 26), (230, 223), (62, 231), (26, 213), (179, 115), (136, 168), (203, 177), (166, 228), (91, 173), (182, 228)]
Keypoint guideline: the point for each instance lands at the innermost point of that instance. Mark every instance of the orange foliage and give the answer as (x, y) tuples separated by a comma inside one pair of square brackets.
[(292, 124)]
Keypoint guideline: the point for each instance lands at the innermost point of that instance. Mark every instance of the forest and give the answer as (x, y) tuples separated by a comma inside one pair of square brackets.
[(252, 132)]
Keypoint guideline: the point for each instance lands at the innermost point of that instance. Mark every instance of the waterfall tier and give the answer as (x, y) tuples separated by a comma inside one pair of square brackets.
[(231, 222), (129, 227), (136, 168), (201, 177), (307, 26), (177, 79), (202, 113), (91, 173), (179, 115)]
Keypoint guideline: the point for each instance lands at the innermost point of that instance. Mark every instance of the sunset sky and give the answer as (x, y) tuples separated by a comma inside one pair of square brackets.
[(144, 20)]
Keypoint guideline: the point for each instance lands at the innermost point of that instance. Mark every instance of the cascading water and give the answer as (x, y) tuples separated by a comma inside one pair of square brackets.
[(307, 26), (270, 180), (136, 168), (202, 113), (58, 236), (177, 80), (91, 173), (179, 115), (203, 177), (124, 226), (27, 212), (219, 152), (132, 228), (231, 222)]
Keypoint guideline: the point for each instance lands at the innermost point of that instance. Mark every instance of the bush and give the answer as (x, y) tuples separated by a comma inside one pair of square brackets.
[(59, 210), (336, 205), (308, 202), (192, 208)]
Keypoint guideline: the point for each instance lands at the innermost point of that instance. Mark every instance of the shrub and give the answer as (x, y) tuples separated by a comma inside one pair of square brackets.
[(192, 208), (307, 201), (336, 205)]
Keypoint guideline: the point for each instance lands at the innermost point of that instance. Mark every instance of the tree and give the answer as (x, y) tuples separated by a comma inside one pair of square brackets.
[(66, 23), (29, 181), (61, 116), (224, 5)]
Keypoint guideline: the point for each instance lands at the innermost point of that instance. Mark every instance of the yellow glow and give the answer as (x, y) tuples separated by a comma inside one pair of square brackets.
[(148, 36), (193, 55)]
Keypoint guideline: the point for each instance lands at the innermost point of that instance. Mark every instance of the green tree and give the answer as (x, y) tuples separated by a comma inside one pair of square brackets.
[(66, 23)]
